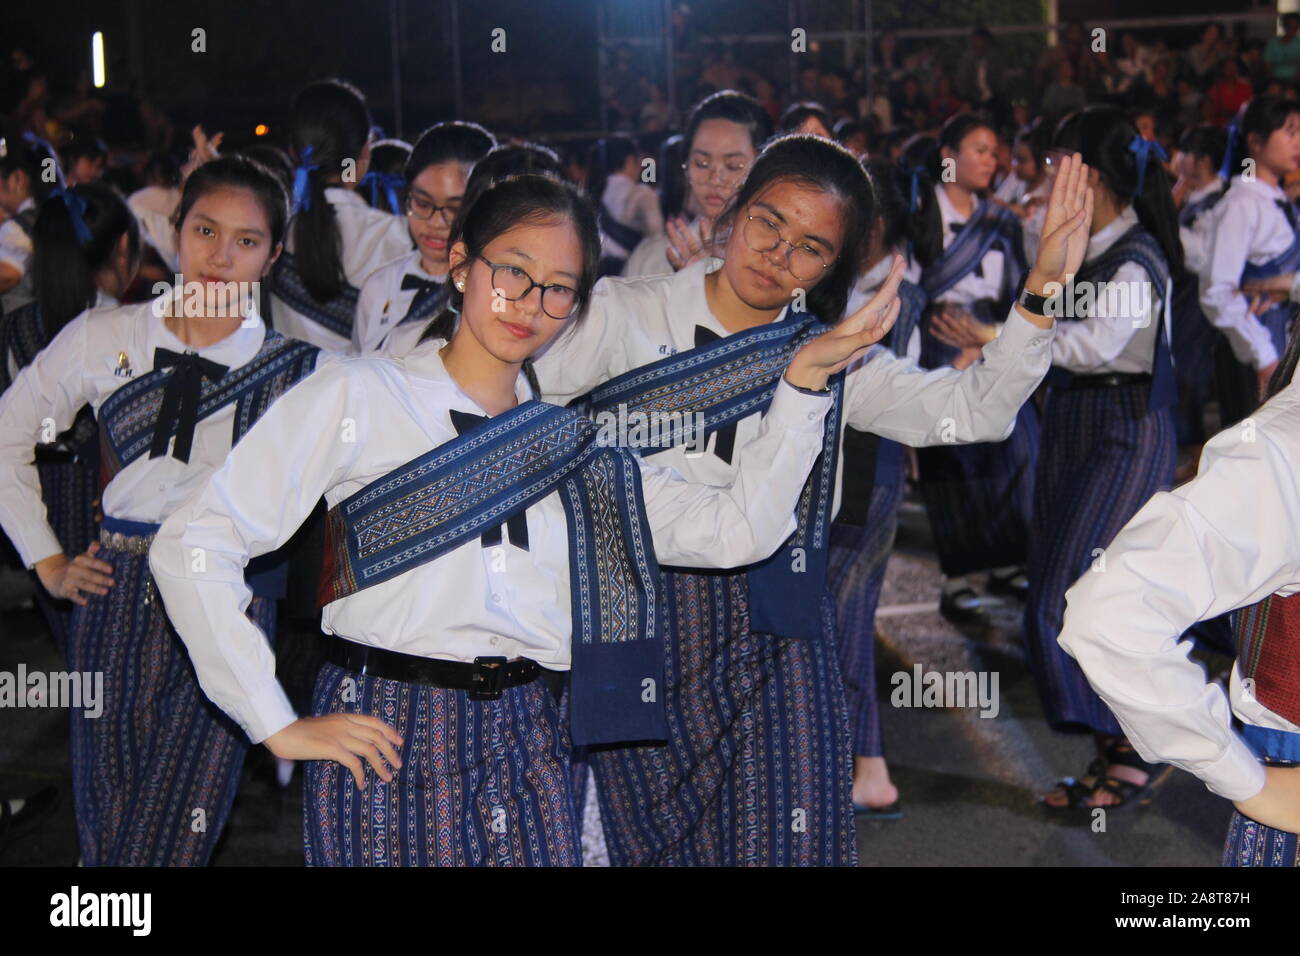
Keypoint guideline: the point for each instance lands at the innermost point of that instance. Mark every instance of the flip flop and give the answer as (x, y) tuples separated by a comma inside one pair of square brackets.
[(892, 811)]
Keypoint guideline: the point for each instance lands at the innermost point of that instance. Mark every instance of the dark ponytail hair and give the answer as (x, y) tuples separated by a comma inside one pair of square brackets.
[(511, 159), (922, 162), (381, 186), (64, 264), (32, 156), (827, 166), (1260, 116), (528, 199), (238, 172), (796, 113), (672, 175), (330, 124), (889, 202), (1103, 136), (1286, 366), (606, 156)]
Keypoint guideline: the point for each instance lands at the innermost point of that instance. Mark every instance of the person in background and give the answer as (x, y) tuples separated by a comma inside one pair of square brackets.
[(85, 158), (382, 185), (1282, 53)]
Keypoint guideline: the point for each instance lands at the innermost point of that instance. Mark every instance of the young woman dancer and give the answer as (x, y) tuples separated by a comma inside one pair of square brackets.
[(411, 289), (443, 620), (628, 209), (85, 253), (1252, 247), (335, 239), (1190, 555), (381, 187), (863, 533), (174, 383), (26, 165), (1108, 423), (757, 769), (979, 498)]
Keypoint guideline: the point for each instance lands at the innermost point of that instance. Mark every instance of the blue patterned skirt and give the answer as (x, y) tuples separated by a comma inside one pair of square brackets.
[(980, 497), (858, 555), (757, 770), (155, 775), (1104, 455), (69, 490), (482, 783), (1253, 844)]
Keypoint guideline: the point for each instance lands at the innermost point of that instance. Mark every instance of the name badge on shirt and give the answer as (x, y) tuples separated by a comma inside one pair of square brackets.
[(667, 350), (123, 369)]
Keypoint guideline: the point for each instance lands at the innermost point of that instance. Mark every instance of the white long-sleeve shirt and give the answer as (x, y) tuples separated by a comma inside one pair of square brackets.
[(1120, 333), (1227, 539), (16, 252), (154, 207), (1245, 226), (633, 322), (635, 205), (382, 306), (982, 283), (356, 421), (1194, 237), (92, 357), (369, 238)]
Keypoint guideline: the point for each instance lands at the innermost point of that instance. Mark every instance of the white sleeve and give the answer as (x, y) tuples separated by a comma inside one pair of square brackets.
[(893, 398), (1227, 245), (706, 526), (370, 304), (1227, 539), (589, 352), (42, 401), (15, 246), (650, 217), (1089, 343), (251, 505)]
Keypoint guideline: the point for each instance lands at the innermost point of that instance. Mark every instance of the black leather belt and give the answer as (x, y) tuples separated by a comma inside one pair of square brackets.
[(485, 679), (1109, 380)]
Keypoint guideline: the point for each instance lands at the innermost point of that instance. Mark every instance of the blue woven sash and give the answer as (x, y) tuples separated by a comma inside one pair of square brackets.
[(450, 495), (1138, 246), (336, 314), (1277, 319), (990, 227), (624, 235), (725, 381), (130, 415)]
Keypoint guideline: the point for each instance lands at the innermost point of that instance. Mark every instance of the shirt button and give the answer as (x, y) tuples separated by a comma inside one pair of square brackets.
[(813, 416), (496, 641), (496, 598)]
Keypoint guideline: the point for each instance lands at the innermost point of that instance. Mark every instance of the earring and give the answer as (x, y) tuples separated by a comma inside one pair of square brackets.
[(460, 286)]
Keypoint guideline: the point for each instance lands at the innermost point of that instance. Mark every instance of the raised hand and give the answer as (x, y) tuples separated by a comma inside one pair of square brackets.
[(958, 328), (834, 350), (1065, 226), (683, 246)]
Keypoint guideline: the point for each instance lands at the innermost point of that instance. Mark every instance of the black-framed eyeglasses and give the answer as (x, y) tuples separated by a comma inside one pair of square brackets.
[(418, 208), (513, 283), (803, 261)]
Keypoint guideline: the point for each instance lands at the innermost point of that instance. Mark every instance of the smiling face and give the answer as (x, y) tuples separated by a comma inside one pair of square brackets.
[(806, 217), (977, 159), (721, 152), (550, 253), (442, 184), (225, 239)]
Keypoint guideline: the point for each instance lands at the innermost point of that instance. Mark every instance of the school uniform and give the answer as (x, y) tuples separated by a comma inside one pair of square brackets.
[(16, 252), (863, 533), (1194, 340), (1108, 445), (154, 207), (1251, 235), (396, 303), (978, 497), (429, 481), (68, 466), (751, 656), (160, 752), (629, 212), (369, 238), (1199, 551)]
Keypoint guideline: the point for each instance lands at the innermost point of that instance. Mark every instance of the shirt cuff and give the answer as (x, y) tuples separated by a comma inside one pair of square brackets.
[(1018, 334), (798, 410), (269, 713), (1237, 775), (37, 545)]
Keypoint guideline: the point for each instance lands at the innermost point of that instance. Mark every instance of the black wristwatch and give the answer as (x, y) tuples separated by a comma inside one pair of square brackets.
[(1033, 302)]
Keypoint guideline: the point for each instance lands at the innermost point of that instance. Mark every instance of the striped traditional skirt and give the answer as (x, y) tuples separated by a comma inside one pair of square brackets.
[(1193, 346), (155, 775), (1253, 844), (856, 574), (757, 770), (69, 490), (1236, 382), (482, 782), (980, 497), (1104, 455)]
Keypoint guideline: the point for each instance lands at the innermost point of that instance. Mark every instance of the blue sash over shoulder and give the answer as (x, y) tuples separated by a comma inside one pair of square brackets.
[(1277, 319), (336, 314), (450, 495), (990, 227), (725, 381)]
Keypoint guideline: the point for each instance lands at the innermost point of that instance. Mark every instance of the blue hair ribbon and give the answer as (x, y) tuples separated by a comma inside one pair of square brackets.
[(1142, 149), (1234, 131), (76, 207), (390, 183), (914, 188), (302, 181)]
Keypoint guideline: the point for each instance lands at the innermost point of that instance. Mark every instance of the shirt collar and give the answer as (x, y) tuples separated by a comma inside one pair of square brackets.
[(1258, 187), (424, 363), (1209, 188), (236, 349), (1105, 238)]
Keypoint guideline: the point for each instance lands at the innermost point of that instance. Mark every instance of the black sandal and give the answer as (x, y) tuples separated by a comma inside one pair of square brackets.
[(1076, 791), (1138, 794)]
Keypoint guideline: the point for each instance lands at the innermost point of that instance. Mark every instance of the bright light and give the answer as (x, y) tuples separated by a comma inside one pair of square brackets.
[(97, 59), (261, 129)]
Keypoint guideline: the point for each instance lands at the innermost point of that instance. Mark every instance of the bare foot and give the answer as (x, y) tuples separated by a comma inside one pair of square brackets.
[(871, 784)]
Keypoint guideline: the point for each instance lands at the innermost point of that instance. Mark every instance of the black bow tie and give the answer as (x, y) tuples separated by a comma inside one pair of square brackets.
[(516, 525), (415, 282), (1288, 210), (726, 444), (180, 402)]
